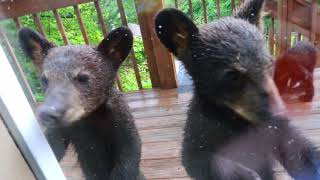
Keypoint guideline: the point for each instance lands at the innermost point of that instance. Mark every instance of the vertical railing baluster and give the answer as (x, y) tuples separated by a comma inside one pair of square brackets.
[(218, 8), (60, 26), (314, 21), (176, 4), (240, 2), (132, 54), (300, 37), (233, 6), (100, 18), (105, 32), (204, 4), (18, 22), (38, 23), (190, 8), (83, 29), (271, 37)]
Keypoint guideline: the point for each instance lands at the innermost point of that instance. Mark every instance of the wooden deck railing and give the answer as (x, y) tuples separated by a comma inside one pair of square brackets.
[(287, 16), (299, 16), (158, 71)]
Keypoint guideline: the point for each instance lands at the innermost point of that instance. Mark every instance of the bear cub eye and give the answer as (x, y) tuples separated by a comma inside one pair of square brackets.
[(233, 80), (232, 76), (82, 78)]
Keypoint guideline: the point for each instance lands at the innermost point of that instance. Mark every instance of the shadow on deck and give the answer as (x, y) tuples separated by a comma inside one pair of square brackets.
[(160, 117)]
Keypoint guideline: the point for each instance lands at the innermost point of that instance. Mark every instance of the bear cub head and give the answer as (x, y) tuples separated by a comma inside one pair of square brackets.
[(76, 79), (227, 59)]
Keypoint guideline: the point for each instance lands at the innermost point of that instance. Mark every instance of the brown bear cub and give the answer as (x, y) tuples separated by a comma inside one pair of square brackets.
[(83, 108), (231, 132)]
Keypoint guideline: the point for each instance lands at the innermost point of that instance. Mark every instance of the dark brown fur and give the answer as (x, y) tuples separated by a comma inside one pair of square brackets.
[(83, 108)]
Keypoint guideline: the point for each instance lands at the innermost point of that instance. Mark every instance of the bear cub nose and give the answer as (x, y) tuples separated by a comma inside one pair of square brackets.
[(50, 115)]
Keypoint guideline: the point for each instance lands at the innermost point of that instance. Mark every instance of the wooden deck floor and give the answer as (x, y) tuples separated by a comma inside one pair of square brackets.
[(160, 117)]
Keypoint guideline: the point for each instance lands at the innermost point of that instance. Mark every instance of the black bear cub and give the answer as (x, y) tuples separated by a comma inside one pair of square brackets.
[(83, 108), (231, 132)]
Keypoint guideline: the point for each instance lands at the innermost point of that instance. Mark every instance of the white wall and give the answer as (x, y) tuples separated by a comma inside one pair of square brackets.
[(13, 165)]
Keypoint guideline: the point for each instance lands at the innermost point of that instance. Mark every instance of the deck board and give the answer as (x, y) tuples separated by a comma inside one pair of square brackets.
[(160, 117)]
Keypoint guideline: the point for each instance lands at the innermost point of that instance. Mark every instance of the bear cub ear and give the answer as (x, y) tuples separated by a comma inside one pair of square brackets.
[(250, 11), (175, 30), (116, 45), (34, 45)]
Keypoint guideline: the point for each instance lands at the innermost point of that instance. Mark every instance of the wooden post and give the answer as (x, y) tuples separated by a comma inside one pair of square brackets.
[(160, 62)]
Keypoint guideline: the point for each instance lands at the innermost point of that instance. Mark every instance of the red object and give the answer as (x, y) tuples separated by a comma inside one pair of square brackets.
[(293, 74)]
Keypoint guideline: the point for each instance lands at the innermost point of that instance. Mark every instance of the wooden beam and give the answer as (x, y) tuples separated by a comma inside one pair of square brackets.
[(160, 61), (60, 26), (14, 9)]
